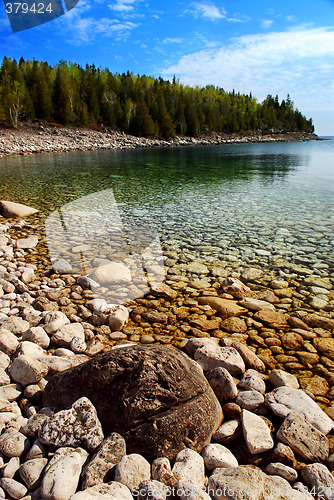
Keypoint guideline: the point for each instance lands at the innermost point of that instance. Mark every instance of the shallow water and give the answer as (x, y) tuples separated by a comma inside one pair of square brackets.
[(248, 204)]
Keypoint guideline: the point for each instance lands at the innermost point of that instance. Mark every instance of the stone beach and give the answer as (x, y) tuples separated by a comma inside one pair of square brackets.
[(50, 139), (259, 339)]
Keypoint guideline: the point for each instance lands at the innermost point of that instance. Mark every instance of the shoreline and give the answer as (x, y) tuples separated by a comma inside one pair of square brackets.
[(25, 141)]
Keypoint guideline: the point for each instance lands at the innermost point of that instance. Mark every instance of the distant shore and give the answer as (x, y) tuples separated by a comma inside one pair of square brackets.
[(32, 140)]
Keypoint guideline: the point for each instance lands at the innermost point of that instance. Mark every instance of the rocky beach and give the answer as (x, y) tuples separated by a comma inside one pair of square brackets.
[(217, 383), (50, 139)]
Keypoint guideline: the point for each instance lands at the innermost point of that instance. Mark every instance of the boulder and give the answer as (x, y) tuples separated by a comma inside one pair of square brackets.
[(154, 396), (10, 209)]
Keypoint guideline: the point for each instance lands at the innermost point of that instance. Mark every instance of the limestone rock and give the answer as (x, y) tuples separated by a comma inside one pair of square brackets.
[(223, 384), (104, 491), (256, 433), (228, 432), (13, 443), (61, 476), (283, 400), (131, 470), (226, 357), (305, 440), (252, 380), (31, 472), (320, 480), (61, 266), (155, 397), (109, 453), (162, 472), (216, 455), (189, 466), (279, 378), (74, 427), (26, 370), (152, 490), (10, 209), (54, 320), (256, 304), (316, 321), (112, 273), (118, 318), (64, 336), (282, 470), (250, 358), (14, 488), (325, 346), (224, 307), (38, 335), (249, 400)]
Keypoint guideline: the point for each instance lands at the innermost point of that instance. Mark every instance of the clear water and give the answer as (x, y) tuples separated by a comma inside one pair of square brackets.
[(246, 203)]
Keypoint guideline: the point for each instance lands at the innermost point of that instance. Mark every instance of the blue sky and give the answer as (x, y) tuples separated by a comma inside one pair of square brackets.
[(259, 46)]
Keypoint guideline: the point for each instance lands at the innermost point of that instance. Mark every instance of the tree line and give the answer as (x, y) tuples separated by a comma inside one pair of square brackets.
[(68, 94)]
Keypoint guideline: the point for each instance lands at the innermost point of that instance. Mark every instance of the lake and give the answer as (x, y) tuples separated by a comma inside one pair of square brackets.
[(234, 206)]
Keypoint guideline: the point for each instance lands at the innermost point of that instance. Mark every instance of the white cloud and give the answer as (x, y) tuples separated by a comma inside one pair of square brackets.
[(298, 62), (266, 23), (208, 11), (124, 6), (173, 40)]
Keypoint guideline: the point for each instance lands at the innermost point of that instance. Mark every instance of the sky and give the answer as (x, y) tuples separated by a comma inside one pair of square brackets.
[(257, 46)]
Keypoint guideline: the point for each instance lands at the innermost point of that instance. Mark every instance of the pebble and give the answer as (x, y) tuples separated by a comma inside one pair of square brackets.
[(131, 470), (31, 472), (14, 444), (282, 470), (228, 432), (217, 455), (14, 488), (256, 433), (26, 370), (189, 466)]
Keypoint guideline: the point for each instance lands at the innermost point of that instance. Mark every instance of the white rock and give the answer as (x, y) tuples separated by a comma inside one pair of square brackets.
[(28, 275), (78, 345), (131, 470), (14, 488), (189, 466), (54, 320), (228, 432), (162, 472), (77, 426), (4, 361), (11, 392), (151, 490), (64, 336), (252, 380), (15, 325), (11, 209), (211, 356), (249, 400), (282, 470), (187, 491), (118, 318), (11, 467), (26, 370), (112, 273), (99, 305), (56, 364), (217, 455), (196, 343), (4, 378), (222, 384), (30, 349), (8, 342), (13, 443), (104, 491), (279, 378), (283, 400), (31, 472), (38, 335), (256, 433), (25, 243), (38, 450), (320, 480), (256, 304), (62, 474), (61, 266)]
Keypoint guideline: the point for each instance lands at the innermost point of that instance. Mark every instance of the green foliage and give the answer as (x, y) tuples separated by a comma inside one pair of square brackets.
[(141, 105)]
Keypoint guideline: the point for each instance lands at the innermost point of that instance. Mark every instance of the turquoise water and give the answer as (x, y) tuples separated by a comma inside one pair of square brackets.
[(242, 204)]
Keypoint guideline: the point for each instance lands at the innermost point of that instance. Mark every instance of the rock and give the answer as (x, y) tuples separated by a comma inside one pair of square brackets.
[(131, 470), (256, 433), (164, 290), (10, 469), (216, 455), (271, 318), (225, 357), (31, 472), (9, 209), (279, 378), (26, 370), (196, 343), (54, 320), (235, 287), (14, 488), (252, 380), (11, 392), (315, 385), (197, 268), (8, 342), (284, 455), (106, 491), (38, 450), (252, 273), (15, 325), (61, 266), (162, 472), (228, 432), (61, 476), (222, 384), (224, 307), (325, 346), (33, 424), (155, 317), (25, 243), (13, 444), (305, 440), (316, 321), (186, 491), (64, 336), (246, 483), (234, 325), (30, 349), (38, 335), (118, 318), (74, 427), (112, 273), (320, 480), (249, 357), (154, 396), (189, 466), (109, 453), (282, 470), (151, 490), (249, 400), (256, 304), (292, 341), (283, 400)]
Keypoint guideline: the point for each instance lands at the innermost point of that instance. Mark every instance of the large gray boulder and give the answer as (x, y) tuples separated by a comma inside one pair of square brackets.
[(155, 396)]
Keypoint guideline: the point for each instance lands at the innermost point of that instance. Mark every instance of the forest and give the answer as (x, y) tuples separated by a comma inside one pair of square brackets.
[(67, 94)]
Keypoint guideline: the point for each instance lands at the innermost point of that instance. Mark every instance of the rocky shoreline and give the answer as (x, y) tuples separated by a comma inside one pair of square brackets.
[(47, 139), (264, 342)]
